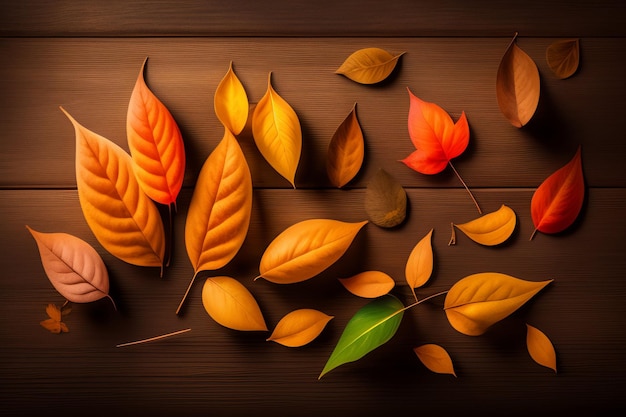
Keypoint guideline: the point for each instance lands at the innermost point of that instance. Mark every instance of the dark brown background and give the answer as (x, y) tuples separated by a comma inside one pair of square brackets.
[(86, 55)]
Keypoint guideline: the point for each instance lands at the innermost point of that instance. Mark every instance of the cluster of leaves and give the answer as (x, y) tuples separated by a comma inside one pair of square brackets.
[(119, 194)]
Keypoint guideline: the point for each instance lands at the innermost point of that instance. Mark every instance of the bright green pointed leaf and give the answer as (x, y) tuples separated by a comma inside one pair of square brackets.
[(371, 327)]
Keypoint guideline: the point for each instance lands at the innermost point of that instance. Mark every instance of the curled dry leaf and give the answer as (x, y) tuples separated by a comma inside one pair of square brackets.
[(490, 229), (73, 266), (540, 347), (419, 266), (230, 304), (563, 57), (557, 202), (277, 133), (435, 358), (385, 200), (517, 85), (231, 102), (305, 249), (369, 284), (299, 327), (369, 65), (477, 301), (54, 324), (122, 217), (345, 151)]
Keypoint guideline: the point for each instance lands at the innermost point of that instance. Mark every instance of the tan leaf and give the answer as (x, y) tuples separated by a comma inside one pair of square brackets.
[(435, 358), (299, 327), (230, 304), (231, 102), (563, 57), (369, 65), (419, 266), (369, 284), (540, 347), (346, 151), (385, 200), (490, 229)]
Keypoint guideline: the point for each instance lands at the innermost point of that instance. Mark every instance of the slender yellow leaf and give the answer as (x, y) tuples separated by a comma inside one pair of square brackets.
[(540, 347), (299, 327), (369, 284), (419, 266), (231, 102), (385, 200), (435, 358), (477, 301), (230, 304), (563, 57), (369, 65), (277, 133), (490, 229), (346, 151), (305, 249)]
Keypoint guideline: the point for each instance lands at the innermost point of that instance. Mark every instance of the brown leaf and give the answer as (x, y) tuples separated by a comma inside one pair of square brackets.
[(369, 284), (385, 200), (346, 151), (563, 57), (435, 358)]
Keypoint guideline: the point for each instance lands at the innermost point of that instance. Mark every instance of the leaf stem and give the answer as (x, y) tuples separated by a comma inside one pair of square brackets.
[(186, 292), (466, 187), (425, 299), (151, 339), (452, 236), (533, 235)]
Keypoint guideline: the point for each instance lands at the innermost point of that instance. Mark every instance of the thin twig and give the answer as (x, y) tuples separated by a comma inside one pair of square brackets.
[(466, 187), (151, 339), (186, 292)]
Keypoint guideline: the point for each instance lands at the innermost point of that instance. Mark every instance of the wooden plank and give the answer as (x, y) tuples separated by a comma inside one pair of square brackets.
[(305, 18), (93, 79)]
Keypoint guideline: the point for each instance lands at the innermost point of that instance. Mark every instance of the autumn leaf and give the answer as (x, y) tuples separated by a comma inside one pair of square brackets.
[(54, 324), (277, 133), (556, 203), (122, 217), (299, 327), (155, 143), (231, 102), (563, 57), (385, 200), (477, 301), (517, 85), (435, 358), (305, 249), (345, 151), (540, 347), (369, 284), (419, 266), (368, 65), (230, 304), (490, 229), (371, 327)]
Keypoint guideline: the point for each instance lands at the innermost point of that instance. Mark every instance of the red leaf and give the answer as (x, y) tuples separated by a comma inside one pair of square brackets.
[(557, 201)]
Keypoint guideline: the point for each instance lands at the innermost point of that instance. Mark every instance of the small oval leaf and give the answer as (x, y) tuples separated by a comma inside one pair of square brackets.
[(230, 304), (385, 200), (231, 102), (435, 358), (369, 65), (369, 284), (563, 57), (419, 266), (490, 229), (346, 151), (540, 347), (299, 327)]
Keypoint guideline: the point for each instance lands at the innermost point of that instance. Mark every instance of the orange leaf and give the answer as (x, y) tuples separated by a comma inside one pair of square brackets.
[(299, 327), (54, 323), (155, 143), (369, 284), (540, 347), (230, 304), (557, 201), (54, 312), (346, 151), (435, 358), (419, 266), (231, 102), (563, 57), (368, 65)]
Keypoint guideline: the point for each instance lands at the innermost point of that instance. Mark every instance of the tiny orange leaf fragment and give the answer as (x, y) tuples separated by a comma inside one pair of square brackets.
[(230, 304), (563, 57), (231, 102), (540, 347), (369, 284), (368, 65), (54, 323), (345, 151), (419, 266), (435, 358), (299, 327)]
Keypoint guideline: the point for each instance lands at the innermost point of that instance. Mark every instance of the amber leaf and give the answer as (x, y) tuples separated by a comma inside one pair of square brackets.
[(299, 327), (345, 151), (369, 65), (563, 57), (435, 358), (369, 284), (540, 347)]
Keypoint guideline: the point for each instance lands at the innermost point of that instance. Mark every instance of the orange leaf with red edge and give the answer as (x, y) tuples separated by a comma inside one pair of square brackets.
[(558, 200)]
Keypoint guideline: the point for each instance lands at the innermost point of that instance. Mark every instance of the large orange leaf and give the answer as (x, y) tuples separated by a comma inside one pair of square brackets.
[(123, 218), (345, 151), (231, 102), (155, 143), (230, 304), (557, 201)]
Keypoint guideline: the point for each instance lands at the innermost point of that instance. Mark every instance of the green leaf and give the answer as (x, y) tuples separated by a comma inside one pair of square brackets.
[(371, 327)]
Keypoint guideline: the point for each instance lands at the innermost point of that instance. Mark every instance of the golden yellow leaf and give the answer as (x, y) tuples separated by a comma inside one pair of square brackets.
[(346, 151), (122, 217), (540, 347), (230, 304), (490, 229), (299, 327), (435, 358), (231, 102), (517, 85), (477, 301), (305, 249), (563, 57), (277, 133), (368, 65), (419, 266), (369, 284)]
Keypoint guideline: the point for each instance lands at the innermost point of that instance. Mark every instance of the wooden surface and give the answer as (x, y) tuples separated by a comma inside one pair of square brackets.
[(85, 56)]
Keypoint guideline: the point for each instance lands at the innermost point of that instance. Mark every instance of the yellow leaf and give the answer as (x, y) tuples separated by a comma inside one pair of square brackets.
[(369, 65), (299, 327), (477, 301), (305, 249), (491, 229), (346, 151), (419, 266), (517, 85), (230, 304), (277, 133), (369, 284), (231, 102), (563, 57), (540, 347), (435, 358), (122, 217)]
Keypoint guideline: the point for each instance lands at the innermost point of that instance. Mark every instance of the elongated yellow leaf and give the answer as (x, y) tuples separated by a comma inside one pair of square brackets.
[(230, 304), (540, 347), (563, 57), (277, 133), (369, 284), (305, 249), (231, 102), (477, 301), (490, 229), (435, 358), (346, 151), (369, 65), (121, 216), (299, 327), (419, 266)]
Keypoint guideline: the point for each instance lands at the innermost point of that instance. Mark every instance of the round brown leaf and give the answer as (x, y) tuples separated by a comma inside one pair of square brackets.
[(385, 200)]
